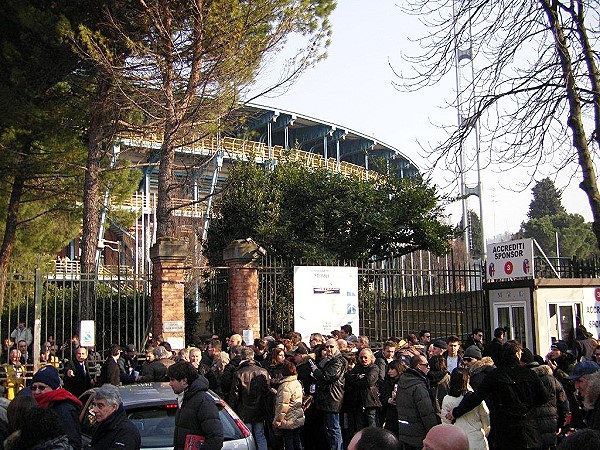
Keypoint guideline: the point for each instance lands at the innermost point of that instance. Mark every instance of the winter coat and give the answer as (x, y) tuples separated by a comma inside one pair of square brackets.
[(156, 370), (416, 414), (361, 386), (68, 407), (330, 378), (110, 373), (388, 410), (476, 422), (13, 442), (289, 414), (516, 391), (249, 392), (116, 432), (305, 374), (382, 363), (479, 370), (493, 349), (198, 415), (80, 381), (439, 382), (552, 414), (470, 341), (227, 376)]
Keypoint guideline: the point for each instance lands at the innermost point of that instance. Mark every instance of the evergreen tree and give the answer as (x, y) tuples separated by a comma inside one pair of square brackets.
[(546, 200)]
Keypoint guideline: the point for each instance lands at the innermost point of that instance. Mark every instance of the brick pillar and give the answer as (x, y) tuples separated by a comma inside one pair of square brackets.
[(168, 257), (241, 256)]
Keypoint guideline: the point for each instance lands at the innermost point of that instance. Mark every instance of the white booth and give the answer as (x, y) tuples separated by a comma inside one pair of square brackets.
[(539, 311)]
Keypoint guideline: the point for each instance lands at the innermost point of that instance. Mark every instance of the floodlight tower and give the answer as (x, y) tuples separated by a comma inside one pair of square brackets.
[(465, 106)]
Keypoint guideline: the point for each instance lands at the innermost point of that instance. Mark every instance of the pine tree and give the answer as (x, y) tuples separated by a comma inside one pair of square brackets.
[(546, 200)]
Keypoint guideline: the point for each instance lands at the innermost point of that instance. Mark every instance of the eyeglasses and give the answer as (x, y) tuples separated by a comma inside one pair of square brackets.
[(467, 359), (330, 346), (424, 364), (38, 387), (427, 335)]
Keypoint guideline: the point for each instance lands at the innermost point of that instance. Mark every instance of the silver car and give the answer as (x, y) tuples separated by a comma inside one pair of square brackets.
[(152, 407)]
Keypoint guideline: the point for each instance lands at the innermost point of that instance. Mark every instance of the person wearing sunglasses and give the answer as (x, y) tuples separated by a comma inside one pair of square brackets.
[(46, 388), (416, 414), (330, 380)]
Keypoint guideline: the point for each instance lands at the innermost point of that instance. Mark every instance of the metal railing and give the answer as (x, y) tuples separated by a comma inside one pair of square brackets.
[(396, 296), (244, 149)]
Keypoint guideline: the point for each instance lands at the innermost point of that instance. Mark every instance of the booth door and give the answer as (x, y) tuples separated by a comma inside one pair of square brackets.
[(563, 318), (511, 317)]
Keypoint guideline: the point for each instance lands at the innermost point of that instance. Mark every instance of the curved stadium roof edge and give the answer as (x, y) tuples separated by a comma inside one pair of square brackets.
[(286, 128)]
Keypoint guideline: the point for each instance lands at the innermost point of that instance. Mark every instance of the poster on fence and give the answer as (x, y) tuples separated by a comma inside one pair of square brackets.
[(325, 298)]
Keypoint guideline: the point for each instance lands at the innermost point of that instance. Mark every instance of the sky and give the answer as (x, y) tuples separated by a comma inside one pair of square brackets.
[(353, 88)]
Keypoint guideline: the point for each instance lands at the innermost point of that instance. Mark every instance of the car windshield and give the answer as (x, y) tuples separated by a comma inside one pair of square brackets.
[(157, 424)]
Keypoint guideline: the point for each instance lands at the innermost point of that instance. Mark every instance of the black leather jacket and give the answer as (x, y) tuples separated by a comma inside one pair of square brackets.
[(330, 383), (249, 391)]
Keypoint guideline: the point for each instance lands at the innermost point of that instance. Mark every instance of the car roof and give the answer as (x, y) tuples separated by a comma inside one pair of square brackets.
[(146, 394)]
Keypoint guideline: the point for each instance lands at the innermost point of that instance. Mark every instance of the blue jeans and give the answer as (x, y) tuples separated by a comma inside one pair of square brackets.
[(292, 439), (333, 432), (258, 430)]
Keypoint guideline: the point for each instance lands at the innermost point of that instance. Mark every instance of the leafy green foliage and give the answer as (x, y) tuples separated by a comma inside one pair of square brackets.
[(300, 213)]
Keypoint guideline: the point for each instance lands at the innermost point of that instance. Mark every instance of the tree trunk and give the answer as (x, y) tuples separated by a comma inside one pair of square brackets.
[(575, 120), (91, 200), (10, 232)]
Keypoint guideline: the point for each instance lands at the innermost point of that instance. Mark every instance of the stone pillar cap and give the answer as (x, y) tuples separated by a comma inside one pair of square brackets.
[(242, 251)]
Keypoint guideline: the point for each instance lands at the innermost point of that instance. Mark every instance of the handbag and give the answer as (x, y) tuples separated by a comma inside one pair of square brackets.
[(193, 442), (307, 401)]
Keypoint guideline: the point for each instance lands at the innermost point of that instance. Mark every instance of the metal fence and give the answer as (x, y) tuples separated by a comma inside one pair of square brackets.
[(396, 296), (121, 307)]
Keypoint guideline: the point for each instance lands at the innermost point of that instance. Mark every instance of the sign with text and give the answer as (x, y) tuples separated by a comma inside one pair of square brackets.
[(512, 259), (173, 326), (87, 333), (325, 298)]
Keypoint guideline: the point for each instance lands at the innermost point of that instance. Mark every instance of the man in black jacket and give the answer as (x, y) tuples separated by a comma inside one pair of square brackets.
[(516, 391), (77, 378), (248, 395), (330, 379), (197, 415), (493, 349), (114, 429)]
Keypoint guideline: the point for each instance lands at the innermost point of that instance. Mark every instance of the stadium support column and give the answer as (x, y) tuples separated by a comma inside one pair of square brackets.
[(241, 256), (168, 257)]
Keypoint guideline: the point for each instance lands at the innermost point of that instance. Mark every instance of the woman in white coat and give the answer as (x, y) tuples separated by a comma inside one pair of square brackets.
[(476, 422), (289, 415)]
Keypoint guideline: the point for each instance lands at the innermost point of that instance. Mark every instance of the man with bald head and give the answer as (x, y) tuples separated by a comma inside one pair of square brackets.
[(374, 438), (234, 339), (330, 378), (446, 437)]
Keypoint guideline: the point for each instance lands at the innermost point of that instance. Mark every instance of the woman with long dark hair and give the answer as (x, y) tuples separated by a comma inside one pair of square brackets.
[(387, 395), (476, 422)]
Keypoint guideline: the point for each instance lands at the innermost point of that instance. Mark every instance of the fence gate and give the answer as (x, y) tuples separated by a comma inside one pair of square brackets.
[(121, 307), (396, 296)]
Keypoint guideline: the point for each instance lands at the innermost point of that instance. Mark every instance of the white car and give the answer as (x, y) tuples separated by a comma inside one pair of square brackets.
[(152, 407)]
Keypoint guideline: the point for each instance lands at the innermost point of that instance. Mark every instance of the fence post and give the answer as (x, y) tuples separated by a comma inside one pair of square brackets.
[(241, 256), (37, 318), (168, 256)]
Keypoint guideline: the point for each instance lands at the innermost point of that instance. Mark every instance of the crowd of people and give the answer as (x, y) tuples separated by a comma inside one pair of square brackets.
[(334, 392)]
